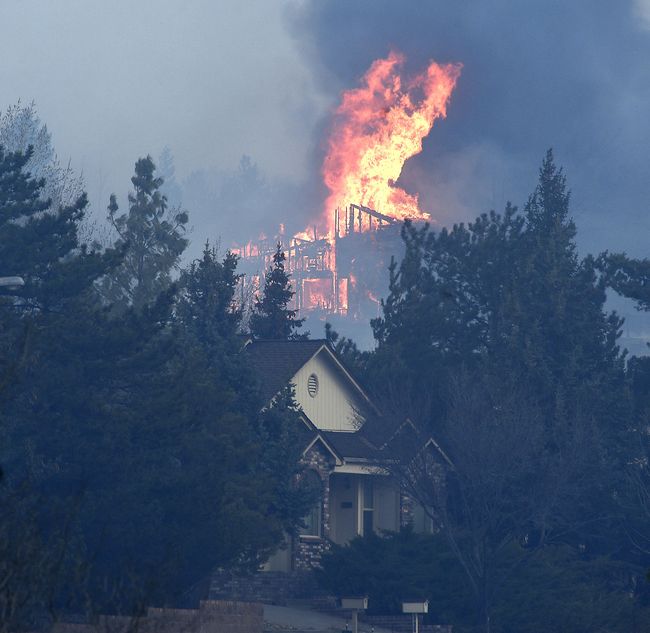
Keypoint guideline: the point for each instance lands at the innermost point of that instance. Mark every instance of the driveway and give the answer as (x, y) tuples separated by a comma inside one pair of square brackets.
[(306, 621)]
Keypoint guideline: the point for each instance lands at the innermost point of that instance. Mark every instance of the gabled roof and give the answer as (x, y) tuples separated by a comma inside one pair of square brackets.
[(379, 429), (350, 445), (277, 362)]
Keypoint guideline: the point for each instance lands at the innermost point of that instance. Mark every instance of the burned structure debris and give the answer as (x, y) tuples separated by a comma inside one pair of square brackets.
[(342, 274)]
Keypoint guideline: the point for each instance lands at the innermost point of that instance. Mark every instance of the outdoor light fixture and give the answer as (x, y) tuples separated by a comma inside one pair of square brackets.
[(355, 604), (415, 607), (11, 282)]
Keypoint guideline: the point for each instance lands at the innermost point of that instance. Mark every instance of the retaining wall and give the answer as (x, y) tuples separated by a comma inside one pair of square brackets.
[(212, 616)]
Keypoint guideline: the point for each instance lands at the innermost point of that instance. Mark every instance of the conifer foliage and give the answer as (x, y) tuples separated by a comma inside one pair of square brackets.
[(39, 241), (139, 427), (498, 331), (206, 303), (272, 318), (151, 235)]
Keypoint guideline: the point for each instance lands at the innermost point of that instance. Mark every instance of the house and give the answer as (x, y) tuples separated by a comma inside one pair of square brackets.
[(346, 444)]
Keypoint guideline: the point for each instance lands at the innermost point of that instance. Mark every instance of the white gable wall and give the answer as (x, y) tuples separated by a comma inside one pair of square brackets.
[(336, 405)]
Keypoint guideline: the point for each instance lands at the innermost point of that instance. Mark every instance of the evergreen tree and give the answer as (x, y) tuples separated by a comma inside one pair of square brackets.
[(206, 303), (290, 494), (41, 243), (151, 412), (558, 328), (272, 318), (40, 326), (627, 276), (506, 304), (166, 169), (445, 310), (208, 317), (20, 129), (151, 238), (506, 292)]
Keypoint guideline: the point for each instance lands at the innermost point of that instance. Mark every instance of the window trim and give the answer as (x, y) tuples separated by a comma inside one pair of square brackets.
[(362, 504)]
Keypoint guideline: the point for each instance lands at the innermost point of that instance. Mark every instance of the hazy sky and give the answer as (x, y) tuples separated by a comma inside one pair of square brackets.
[(117, 79), (215, 79)]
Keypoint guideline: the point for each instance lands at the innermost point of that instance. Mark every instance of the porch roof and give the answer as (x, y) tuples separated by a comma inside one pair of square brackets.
[(351, 445)]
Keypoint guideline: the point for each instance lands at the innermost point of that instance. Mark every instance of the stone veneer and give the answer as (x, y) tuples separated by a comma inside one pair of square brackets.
[(274, 587), (269, 587), (307, 550)]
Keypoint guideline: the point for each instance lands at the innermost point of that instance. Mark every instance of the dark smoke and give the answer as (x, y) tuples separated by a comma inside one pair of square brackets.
[(572, 75)]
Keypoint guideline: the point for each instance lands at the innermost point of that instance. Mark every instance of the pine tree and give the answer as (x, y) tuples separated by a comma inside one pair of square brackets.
[(44, 375), (507, 304), (206, 303), (151, 237), (627, 276), (272, 318), (563, 340), (40, 242), (21, 128), (166, 169)]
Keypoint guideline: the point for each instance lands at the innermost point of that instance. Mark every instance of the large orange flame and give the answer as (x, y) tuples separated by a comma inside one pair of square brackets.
[(377, 127), (375, 130)]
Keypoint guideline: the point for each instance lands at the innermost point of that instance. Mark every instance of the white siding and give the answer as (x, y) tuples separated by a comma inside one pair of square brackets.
[(347, 503), (386, 504), (336, 404)]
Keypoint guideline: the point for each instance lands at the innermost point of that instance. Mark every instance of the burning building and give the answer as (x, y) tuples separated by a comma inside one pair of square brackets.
[(340, 275), (339, 265)]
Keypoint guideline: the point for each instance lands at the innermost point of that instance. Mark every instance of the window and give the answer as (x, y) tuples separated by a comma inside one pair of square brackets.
[(368, 508), (313, 519), (421, 521), (312, 385)]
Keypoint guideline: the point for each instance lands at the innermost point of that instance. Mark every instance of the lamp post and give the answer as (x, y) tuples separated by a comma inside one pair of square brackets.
[(356, 604), (416, 607)]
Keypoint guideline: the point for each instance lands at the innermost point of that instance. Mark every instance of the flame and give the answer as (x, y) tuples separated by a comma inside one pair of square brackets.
[(343, 295), (317, 293), (373, 297), (376, 129)]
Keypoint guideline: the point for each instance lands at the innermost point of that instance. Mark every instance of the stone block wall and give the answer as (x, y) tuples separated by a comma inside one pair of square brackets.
[(307, 552), (211, 617), (269, 587)]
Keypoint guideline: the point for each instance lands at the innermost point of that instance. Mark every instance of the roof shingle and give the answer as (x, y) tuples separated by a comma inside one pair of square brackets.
[(276, 362)]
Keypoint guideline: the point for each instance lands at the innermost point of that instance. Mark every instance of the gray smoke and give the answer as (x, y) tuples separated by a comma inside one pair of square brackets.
[(571, 75), (218, 80)]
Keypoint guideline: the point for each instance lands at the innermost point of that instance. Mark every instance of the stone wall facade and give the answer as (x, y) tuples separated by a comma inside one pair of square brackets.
[(307, 550), (270, 587), (293, 578)]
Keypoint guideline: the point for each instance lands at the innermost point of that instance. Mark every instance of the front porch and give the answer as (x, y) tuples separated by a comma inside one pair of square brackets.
[(352, 504)]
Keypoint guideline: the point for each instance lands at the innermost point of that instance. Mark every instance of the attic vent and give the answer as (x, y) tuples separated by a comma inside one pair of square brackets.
[(312, 385)]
